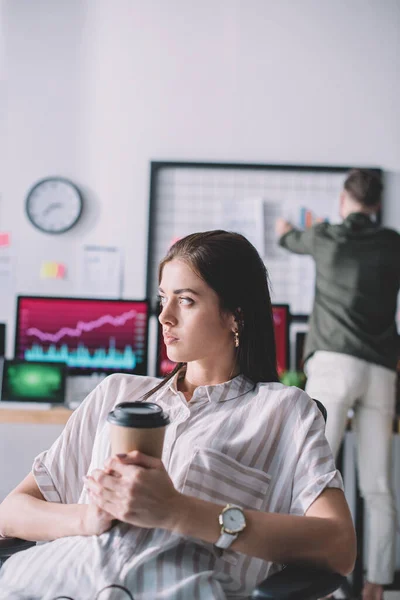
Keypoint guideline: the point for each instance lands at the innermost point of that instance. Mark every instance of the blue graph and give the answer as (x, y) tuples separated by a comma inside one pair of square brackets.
[(102, 358)]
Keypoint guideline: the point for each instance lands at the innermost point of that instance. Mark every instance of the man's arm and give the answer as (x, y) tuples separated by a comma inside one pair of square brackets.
[(295, 240)]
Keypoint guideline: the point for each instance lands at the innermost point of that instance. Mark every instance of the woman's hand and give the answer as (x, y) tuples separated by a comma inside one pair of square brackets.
[(136, 488), (95, 520)]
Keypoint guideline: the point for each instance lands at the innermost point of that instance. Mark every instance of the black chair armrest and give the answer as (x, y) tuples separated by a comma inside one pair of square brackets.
[(299, 583), (9, 546)]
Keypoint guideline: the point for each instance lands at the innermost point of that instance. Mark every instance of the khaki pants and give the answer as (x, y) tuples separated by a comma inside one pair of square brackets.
[(341, 382)]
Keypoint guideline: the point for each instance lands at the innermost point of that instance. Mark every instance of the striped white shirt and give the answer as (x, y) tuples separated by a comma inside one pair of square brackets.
[(261, 447)]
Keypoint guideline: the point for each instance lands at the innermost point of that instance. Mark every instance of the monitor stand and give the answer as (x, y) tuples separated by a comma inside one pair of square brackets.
[(79, 386)]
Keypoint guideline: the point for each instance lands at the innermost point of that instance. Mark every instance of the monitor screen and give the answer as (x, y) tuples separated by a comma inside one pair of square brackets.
[(299, 350), (281, 316), (33, 382), (89, 335), (2, 339), (163, 364)]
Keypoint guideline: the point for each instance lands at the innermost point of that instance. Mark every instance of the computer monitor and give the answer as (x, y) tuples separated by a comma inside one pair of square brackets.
[(281, 316), (300, 343), (297, 336), (39, 382), (2, 339), (164, 366), (90, 335)]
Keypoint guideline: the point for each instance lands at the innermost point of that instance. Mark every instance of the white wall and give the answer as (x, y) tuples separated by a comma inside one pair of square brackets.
[(97, 88), (19, 444)]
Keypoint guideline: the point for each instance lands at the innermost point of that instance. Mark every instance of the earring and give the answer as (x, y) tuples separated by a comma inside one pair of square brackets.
[(236, 339)]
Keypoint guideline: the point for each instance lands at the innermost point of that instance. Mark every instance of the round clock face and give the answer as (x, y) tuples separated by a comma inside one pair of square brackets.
[(54, 205)]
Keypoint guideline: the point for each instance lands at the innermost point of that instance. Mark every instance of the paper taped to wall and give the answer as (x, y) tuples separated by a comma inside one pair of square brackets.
[(100, 272)]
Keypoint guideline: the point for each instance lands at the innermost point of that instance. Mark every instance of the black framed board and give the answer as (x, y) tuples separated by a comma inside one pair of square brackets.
[(192, 196)]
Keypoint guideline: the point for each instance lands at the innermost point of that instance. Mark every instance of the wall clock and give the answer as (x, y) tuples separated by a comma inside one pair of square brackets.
[(54, 205)]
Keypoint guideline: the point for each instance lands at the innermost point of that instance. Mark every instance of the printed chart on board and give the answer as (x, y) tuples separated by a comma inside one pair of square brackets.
[(246, 199)]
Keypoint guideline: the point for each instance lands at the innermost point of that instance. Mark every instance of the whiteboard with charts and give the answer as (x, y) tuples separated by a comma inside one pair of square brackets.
[(188, 197)]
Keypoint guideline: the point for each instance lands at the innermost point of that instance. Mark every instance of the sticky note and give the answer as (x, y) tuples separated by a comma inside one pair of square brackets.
[(52, 270), (5, 239)]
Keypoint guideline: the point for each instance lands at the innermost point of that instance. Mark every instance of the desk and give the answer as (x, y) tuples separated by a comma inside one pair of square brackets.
[(52, 416), (60, 415), (25, 433)]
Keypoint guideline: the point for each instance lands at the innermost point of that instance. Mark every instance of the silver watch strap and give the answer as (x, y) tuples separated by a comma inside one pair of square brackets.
[(225, 540)]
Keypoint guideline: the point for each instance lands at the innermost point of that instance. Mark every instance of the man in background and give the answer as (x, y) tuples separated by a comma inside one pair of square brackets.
[(352, 346)]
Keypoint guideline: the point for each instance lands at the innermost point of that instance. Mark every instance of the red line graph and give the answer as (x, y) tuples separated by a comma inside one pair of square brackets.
[(82, 326)]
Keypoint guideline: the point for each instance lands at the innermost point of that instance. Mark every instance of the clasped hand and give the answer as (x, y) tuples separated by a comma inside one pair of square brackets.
[(135, 488)]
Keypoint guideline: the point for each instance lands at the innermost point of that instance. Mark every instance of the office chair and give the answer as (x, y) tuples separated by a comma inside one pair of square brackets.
[(294, 582)]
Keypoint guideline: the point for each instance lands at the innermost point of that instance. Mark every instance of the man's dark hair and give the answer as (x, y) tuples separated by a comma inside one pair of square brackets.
[(364, 186)]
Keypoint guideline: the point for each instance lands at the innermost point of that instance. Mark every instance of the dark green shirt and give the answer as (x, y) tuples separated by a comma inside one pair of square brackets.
[(357, 283)]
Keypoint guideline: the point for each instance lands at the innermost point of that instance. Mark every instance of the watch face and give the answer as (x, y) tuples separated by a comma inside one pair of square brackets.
[(54, 205), (233, 520)]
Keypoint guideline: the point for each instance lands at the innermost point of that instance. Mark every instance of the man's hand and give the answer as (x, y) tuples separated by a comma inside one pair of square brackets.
[(136, 488), (282, 227)]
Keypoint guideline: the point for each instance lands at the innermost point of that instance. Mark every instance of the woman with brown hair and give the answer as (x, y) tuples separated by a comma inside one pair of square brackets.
[(246, 481)]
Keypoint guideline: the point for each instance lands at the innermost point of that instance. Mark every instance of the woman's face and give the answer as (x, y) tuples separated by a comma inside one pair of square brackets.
[(194, 327)]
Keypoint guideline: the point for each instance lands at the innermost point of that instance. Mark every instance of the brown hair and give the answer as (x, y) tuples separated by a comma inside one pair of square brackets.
[(364, 186)]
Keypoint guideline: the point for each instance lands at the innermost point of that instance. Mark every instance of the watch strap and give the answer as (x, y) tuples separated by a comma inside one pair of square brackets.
[(225, 540)]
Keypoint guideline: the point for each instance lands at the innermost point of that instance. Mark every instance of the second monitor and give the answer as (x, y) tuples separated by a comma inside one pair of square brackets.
[(25, 382), (281, 317), (89, 335)]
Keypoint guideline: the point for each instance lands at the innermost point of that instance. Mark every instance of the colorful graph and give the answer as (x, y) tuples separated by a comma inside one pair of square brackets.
[(101, 358), (81, 326), (87, 334), (308, 219)]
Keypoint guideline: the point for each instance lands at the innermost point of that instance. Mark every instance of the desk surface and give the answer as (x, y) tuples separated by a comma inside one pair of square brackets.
[(60, 415), (52, 416)]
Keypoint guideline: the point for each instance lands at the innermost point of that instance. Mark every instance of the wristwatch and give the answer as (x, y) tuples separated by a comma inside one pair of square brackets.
[(232, 521)]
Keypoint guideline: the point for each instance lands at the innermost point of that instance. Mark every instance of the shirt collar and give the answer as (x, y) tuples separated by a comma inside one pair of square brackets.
[(221, 392), (359, 220)]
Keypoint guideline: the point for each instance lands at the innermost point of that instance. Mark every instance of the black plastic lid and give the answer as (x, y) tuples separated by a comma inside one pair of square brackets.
[(144, 415)]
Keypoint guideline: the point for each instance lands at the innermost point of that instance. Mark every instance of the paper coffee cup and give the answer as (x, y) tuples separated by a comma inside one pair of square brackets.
[(137, 426)]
